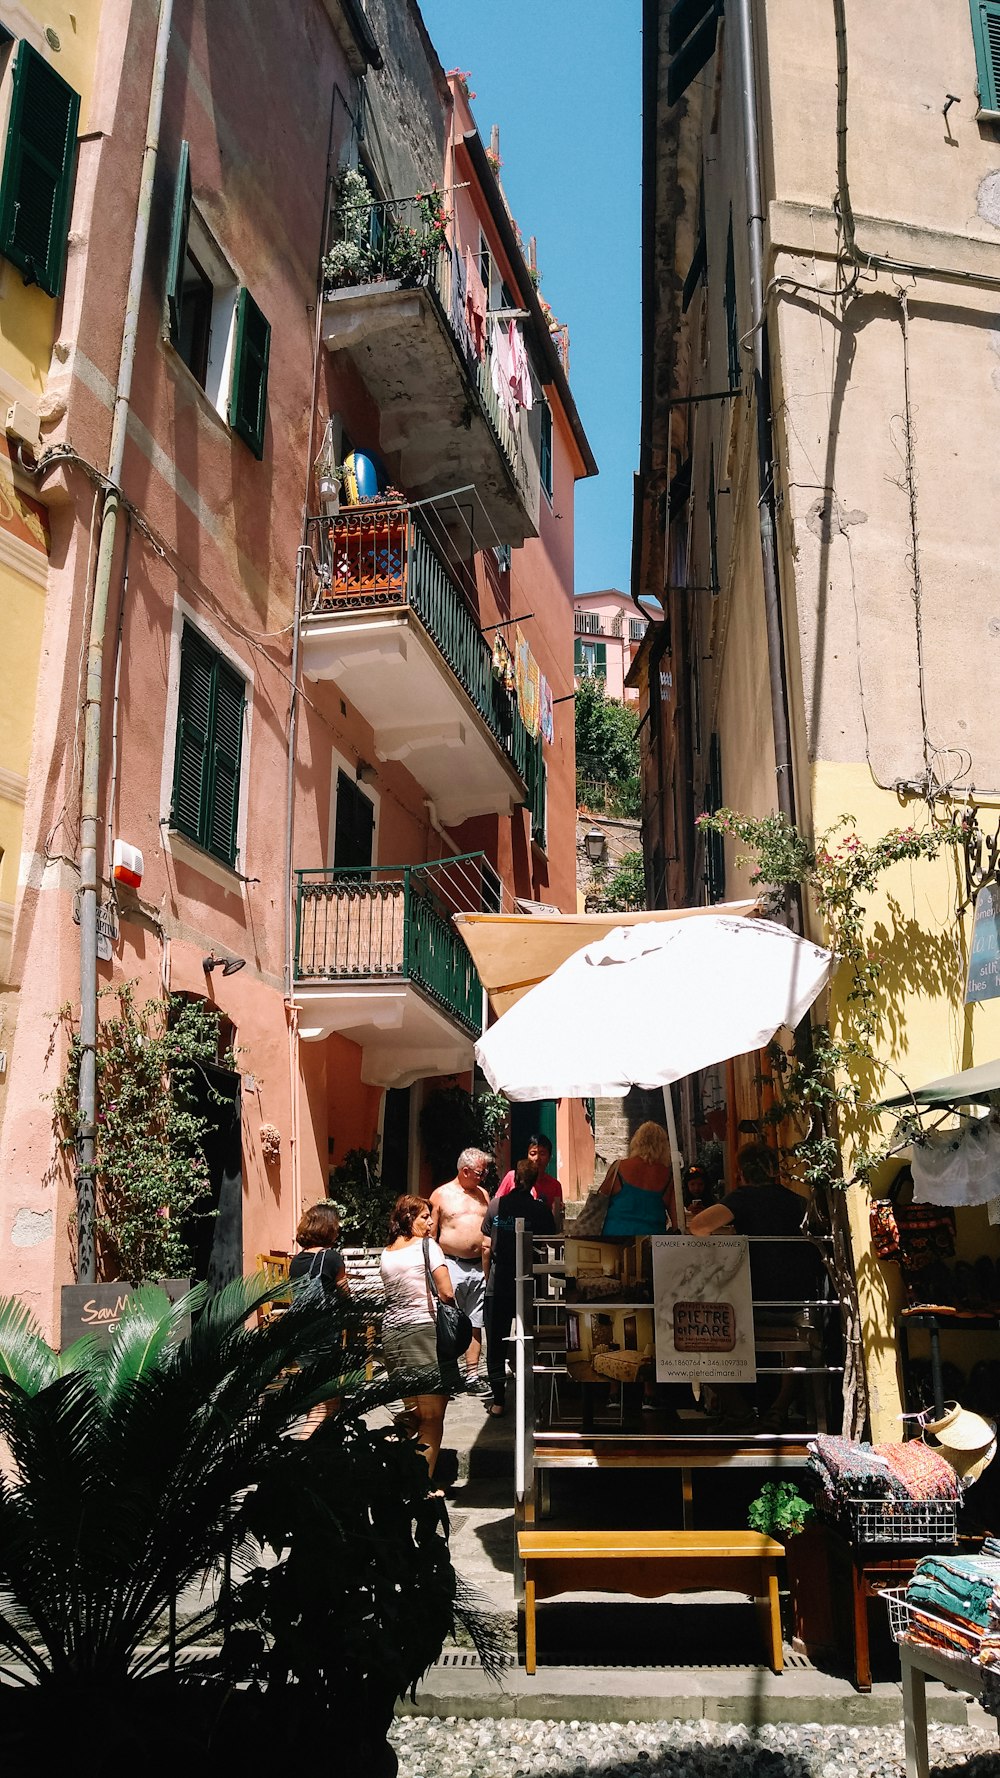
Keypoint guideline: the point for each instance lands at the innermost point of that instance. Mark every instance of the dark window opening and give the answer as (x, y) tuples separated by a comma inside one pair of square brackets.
[(195, 326)]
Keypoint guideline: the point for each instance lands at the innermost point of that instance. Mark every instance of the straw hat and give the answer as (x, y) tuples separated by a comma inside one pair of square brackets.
[(965, 1440)]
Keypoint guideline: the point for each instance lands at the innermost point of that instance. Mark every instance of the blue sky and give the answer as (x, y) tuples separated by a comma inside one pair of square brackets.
[(562, 79)]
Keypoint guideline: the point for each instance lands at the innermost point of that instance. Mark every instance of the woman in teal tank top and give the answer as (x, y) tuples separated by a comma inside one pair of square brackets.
[(641, 1187)]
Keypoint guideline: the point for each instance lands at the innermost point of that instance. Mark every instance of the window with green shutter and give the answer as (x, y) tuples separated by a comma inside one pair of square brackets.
[(210, 703), (248, 402), (545, 448), (986, 33), (692, 29), (38, 164)]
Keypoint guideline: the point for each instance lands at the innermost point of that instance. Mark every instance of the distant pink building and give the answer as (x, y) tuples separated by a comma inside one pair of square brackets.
[(607, 633)]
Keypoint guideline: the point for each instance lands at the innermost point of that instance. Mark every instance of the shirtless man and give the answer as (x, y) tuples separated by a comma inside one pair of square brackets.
[(457, 1211)]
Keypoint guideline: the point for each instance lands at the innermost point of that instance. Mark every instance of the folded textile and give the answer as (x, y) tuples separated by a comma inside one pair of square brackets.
[(965, 1589), (922, 1471), (851, 1471)]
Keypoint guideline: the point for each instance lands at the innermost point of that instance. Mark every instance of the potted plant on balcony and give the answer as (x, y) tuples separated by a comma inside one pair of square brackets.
[(376, 243), (781, 1512)]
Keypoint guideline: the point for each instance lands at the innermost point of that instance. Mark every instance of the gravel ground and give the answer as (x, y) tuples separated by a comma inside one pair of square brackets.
[(429, 1747)]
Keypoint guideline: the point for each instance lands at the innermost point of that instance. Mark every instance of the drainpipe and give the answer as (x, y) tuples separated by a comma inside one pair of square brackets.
[(777, 677), (86, 1265)]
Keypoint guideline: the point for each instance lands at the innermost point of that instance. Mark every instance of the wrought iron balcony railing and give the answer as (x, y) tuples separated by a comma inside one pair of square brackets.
[(393, 923), (391, 243), (380, 555)]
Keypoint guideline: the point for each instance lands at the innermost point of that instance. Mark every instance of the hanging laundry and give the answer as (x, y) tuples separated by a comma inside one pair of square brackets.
[(520, 375), (547, 710), (501, 370), (528, 688), (475, 304), (960, 1166), (503, 665), (456, 308)]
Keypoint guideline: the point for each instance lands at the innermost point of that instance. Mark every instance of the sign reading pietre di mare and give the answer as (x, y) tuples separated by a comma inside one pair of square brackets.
[(703, 1309), (96, 1309), (984, 953)]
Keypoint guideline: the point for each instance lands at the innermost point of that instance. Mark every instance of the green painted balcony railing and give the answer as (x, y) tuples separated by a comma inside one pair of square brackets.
[(389, 923), (380, 555)]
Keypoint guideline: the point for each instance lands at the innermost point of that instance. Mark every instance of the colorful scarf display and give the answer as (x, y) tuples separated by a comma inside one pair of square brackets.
[(955, 1605), (548, 713), (503, 665), (528, 686)]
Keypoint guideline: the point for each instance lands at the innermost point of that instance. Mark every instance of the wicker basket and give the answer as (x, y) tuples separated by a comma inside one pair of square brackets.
[(902, 1521)]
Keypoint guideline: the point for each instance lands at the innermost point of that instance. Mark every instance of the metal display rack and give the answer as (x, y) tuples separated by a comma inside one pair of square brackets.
[(901, 1521)]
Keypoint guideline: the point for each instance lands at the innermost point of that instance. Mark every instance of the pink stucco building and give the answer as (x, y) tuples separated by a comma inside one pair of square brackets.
[(607, 631), (306, 727)]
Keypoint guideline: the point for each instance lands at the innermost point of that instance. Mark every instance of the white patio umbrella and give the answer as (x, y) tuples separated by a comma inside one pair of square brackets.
[(646, 1005)]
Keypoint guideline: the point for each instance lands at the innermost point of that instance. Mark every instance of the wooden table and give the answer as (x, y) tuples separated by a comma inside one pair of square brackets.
[(919, 1663), (649, 1564)]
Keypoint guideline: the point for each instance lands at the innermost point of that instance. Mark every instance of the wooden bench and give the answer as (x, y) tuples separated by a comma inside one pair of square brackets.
[(649, 1564)]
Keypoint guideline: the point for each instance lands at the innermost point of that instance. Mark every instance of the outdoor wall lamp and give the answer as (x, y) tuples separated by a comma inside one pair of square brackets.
[(595, 845), (228, 965)]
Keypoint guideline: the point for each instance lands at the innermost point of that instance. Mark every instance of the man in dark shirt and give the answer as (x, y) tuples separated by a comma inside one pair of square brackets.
[(784, 1272), (499, 1267), (761, 1206)]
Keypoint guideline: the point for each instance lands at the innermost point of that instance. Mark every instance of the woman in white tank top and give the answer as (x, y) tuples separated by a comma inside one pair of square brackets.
[(408, 1336)]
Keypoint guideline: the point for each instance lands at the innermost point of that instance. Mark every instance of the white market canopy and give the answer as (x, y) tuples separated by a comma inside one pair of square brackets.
[(514, 952), (649, 1002)]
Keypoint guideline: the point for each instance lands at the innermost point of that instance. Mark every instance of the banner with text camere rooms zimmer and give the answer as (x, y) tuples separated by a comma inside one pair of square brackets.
[(703, 1309)]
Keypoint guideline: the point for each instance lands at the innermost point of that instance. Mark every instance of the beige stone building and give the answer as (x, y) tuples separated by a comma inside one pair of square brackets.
[(820, 480)]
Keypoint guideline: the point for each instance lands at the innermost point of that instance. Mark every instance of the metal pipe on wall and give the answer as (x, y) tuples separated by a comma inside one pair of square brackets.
[(86, 1264), (777, 676)]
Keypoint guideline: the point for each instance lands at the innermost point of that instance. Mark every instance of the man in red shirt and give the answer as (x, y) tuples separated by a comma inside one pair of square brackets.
[(546, 1188)]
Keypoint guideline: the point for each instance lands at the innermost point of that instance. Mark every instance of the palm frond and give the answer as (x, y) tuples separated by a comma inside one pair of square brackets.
[(144, 1332), (26, 1359)]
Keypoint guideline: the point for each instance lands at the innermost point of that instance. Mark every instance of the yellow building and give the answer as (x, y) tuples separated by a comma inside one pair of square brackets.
[(819, 488), (46, 70)]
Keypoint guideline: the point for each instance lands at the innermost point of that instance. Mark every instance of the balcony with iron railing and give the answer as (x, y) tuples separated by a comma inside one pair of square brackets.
[(379, 960), (386, 619), (394, 300)]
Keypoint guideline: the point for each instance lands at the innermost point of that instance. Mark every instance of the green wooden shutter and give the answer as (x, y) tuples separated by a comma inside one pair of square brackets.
[(986, 33), (579, 665), (179, 223), (194, 727), (684, 16), (691, 58), (545, 448), (713, 524), (732, 316), (222, 816), (38, 170), (354, 825), (248, 401), (210, 705)]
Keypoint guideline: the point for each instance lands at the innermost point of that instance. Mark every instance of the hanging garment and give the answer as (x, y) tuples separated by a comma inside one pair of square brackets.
[(503, 665), (520, 373), (500, 372), (547, 711), (475, 304), (528, 699), (958, 1166), (457, 313)]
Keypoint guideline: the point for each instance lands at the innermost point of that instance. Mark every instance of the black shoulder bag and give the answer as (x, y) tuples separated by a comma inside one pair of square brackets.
[(452, 1328)]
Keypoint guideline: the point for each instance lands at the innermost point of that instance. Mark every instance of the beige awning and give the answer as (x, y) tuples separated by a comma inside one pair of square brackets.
[(514, 952)]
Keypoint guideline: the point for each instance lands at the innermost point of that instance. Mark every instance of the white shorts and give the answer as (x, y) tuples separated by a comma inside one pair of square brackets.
[(469, 1285)]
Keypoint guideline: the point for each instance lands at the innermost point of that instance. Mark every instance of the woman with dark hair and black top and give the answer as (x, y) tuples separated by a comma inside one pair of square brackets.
[(320, 1257), (318, 1235)]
